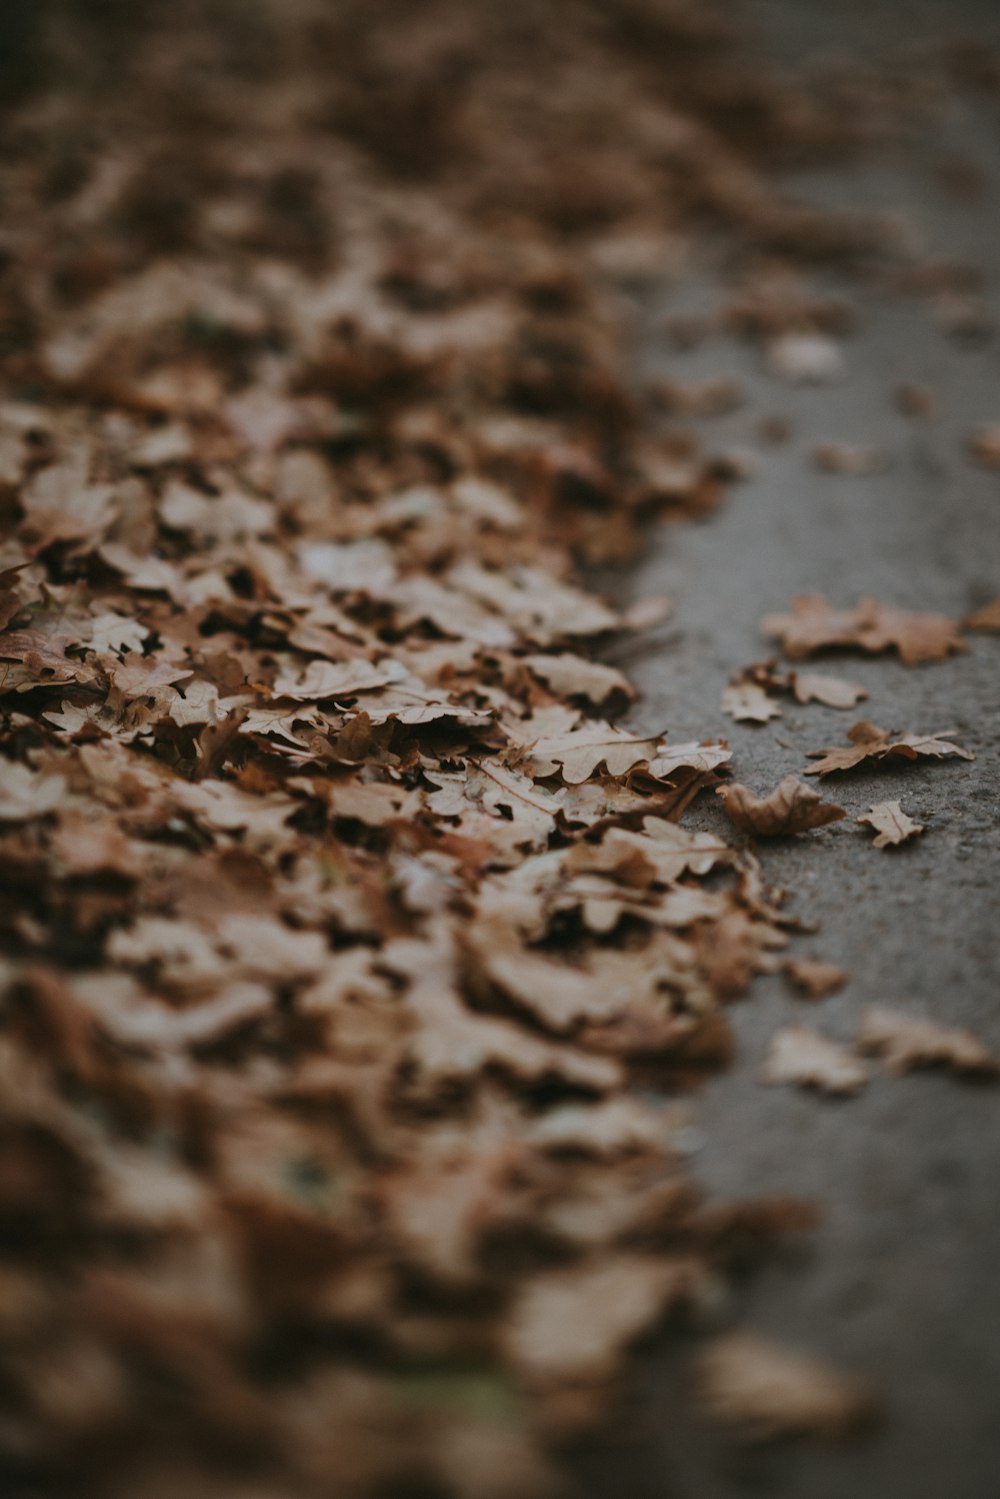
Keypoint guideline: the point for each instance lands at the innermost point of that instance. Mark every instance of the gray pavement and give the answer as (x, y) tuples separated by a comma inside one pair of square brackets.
[(901, 1282)]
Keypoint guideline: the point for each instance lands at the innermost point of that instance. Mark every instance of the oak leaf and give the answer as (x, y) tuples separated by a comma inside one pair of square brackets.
[(702, 758), (814, 625), (747, 702), (337, 679), (790, 808), (769, 1391), (661, 852), (509, 802), (815, 978), (24, 793), (987, 618), (832, 692), (578, 752), (575, 1324), (539, 606), (804, 1057), (574, 676), (906, 1041), (891, 823), (747, 695), (984, 445), (870, 743), (851, 459)]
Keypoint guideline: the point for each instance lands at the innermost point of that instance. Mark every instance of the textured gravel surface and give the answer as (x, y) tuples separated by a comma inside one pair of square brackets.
[(901, 1282)]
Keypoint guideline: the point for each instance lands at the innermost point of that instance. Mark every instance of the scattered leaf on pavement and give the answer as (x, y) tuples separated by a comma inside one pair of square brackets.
[(791, 807), (814, 625), (891, 823), (905, 1041), (804, 1057), (869, 744), (768, 1391), (813, 977), (987, 618), (748, 703)]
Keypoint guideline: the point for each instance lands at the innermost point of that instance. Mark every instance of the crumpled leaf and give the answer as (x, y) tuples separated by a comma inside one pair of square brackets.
[(790, 808)]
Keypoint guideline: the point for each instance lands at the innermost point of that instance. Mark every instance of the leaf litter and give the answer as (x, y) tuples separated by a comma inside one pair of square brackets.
[(345, 930)]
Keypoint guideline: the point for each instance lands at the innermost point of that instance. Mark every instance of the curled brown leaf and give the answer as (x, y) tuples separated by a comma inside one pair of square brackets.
[(791, 807)]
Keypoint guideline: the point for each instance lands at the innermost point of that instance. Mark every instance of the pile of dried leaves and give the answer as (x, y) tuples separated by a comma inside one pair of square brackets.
[(340, 918)]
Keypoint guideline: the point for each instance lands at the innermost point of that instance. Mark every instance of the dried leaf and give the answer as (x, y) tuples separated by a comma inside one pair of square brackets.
[(832, 692), (906, 1041), (588, 745), (24, 793), (769, 1391), (815, 978), (987, 618), (802, 1056), (338, 679), (807, 359), (851, 460), (347, 931), (814, 625), (575, 1324), (984, 446), (702, 758), (573, 676), (869, 743), (748, 703), (891, 823), (806, 687), (790, 808)]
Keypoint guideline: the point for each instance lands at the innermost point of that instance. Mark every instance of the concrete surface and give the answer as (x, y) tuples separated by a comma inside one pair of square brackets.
[(902, 1280)]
